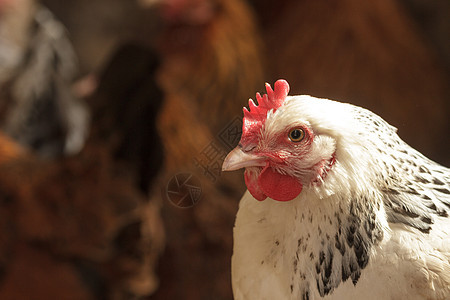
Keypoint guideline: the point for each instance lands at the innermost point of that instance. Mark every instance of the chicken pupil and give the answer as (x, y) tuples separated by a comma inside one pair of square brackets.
[(296, 135)]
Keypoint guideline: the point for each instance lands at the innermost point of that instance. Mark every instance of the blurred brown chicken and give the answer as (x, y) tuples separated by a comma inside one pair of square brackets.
[(212, 56), (211, 62)]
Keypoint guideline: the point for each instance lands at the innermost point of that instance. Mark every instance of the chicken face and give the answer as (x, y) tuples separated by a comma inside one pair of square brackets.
[(279, 149)]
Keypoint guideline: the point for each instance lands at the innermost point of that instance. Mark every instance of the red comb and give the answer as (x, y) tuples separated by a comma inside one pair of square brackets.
[(256, 115)]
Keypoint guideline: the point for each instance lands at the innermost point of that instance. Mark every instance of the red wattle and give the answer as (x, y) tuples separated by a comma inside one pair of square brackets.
[(278, 186), (252, 186)]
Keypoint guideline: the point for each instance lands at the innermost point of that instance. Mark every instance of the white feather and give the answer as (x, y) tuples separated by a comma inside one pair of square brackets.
[(274, 242)]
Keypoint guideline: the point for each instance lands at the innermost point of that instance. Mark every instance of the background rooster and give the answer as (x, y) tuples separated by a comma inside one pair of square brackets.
[(366, 215)]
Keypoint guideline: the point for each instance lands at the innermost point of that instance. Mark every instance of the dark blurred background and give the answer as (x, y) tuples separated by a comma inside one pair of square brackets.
[(115, 117)]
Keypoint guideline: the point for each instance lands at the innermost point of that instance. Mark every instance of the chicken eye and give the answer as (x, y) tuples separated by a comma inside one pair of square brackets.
[(296, 135)]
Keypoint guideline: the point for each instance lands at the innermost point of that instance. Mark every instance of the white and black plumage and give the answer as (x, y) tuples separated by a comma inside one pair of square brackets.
[(37, 69), (362, 215)]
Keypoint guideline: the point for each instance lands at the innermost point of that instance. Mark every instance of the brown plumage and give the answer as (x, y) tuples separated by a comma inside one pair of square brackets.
[(211, 58), (82, 226), (212, 62)]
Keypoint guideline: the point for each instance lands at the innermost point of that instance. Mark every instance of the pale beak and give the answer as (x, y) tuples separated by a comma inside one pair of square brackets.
[(238, 159)]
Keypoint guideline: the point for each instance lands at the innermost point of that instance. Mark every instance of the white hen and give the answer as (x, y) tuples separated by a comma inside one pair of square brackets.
[(360, 214)]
